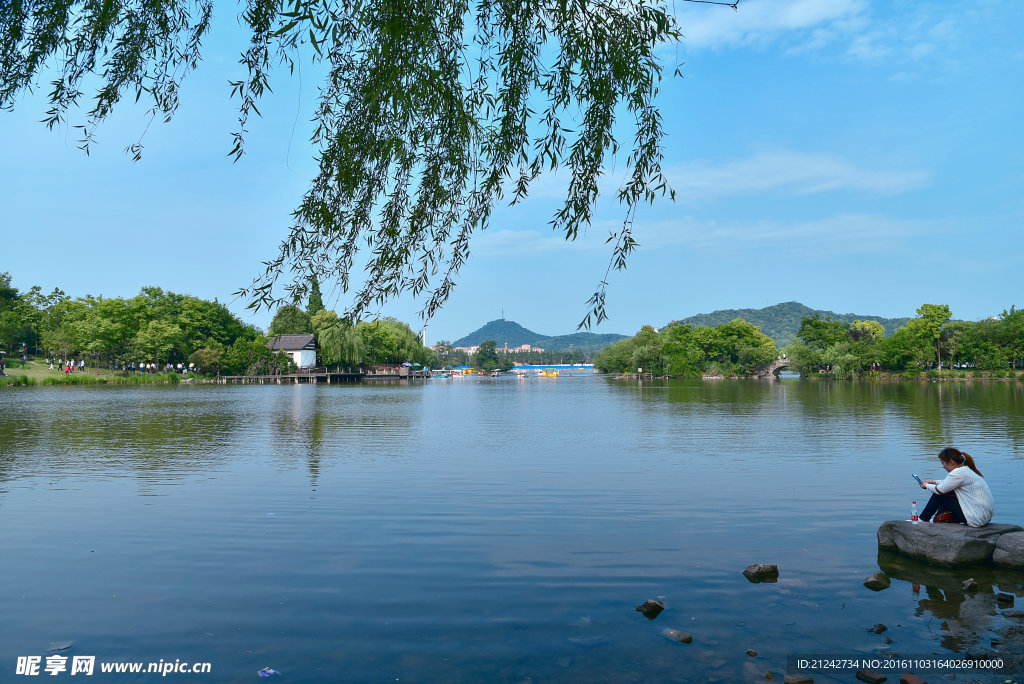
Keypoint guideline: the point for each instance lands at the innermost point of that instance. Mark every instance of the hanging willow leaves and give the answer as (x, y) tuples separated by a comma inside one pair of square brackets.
[(432, 112)]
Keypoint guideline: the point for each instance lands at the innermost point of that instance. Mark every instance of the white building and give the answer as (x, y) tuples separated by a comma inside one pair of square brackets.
[(302, 348)]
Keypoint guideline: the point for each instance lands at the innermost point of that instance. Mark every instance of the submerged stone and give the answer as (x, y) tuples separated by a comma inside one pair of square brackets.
[(650, 608), (676, 635), (871, 677), (877, 581), (877, 629), (762, 572), (948, 545), (969, 585)]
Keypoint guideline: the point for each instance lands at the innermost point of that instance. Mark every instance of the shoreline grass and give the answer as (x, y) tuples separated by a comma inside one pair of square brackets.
[(37, 373)]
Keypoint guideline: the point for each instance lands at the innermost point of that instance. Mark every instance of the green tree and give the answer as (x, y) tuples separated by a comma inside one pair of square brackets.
[(930, 325), (208, 359), (391, 341), (616, 358), (254, 357), (681, 355), (340, 342), (428, 114), (316, 301), (443, 349), (1012, 334), (647, 352), (819, 333), (157, 340), (866, 331), (290, 320), (486, 356)]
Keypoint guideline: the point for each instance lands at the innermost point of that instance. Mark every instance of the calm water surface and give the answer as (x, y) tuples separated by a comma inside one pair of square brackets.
[(485, 529)]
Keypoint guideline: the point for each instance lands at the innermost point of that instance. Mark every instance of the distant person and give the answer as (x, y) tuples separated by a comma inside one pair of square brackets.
[(963, 497)]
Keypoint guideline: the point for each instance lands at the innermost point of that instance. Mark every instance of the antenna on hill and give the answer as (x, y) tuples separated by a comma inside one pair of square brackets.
[(503, 312)]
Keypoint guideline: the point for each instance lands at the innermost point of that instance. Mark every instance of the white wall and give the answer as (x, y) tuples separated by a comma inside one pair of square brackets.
[(303, 357)]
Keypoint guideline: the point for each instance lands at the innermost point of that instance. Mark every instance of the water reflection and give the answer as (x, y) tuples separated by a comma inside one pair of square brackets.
[(145, 431), (962, 618), (492, 530)]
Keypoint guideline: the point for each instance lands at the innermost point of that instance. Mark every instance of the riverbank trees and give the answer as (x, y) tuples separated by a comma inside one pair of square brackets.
[(154, 326), (386, 341), (734, 348), (826, 347)]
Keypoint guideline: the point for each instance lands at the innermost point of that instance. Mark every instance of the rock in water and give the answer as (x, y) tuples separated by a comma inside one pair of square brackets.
[(877, 629), (1004, 600), (969, 585), (877, 581), (762, 572), (650, 608), (911, 678), (676, 635), (948, 545), (798, 679), (871, 677), (1009, 551)]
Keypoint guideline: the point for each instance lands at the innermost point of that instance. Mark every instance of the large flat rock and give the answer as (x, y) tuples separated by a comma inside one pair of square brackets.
[(1009, 551), (944, 543)]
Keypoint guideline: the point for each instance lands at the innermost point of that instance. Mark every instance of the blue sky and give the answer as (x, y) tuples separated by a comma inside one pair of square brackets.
[(863, 157)]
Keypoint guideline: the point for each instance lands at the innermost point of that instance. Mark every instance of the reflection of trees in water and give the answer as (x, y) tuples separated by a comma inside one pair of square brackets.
[(938, 410), (170, 431), (932, 412), (310, 424), (963, 617)]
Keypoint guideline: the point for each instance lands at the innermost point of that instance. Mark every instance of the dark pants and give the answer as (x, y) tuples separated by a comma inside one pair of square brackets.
[(940, 503)]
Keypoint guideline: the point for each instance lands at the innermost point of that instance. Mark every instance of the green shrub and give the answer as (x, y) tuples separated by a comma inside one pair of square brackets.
[(17, 381)]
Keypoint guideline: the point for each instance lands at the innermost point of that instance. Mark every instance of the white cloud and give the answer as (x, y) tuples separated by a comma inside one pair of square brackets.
[(845, 234), (761, 21), (907, 35), (788, 172)]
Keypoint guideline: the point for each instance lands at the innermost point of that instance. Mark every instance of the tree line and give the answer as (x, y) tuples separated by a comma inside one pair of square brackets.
[(163, 327), (825, 347)]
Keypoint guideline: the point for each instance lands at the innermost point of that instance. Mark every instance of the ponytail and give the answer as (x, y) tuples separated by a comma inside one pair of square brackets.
[(961, 458), (969, 462)]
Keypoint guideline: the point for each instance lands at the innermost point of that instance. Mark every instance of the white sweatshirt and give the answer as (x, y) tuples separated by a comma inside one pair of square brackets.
[(972, 493)]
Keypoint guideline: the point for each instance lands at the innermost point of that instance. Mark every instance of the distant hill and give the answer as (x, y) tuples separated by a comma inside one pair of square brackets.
[(782, 321), (515, 335)]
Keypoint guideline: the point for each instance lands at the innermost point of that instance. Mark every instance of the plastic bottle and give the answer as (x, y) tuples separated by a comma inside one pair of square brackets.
[(913, 513)]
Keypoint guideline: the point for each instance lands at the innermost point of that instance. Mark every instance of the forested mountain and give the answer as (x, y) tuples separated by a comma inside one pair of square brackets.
[(782, 321), (515, 335)]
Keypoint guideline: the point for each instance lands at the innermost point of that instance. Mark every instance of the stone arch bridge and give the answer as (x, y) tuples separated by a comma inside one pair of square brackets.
[(774, 368)]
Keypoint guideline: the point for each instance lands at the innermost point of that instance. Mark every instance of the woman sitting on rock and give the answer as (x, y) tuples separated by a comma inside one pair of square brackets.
[(963, 497)]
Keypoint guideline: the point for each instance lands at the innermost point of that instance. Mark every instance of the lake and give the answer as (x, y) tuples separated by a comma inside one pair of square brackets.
[(486, 529)]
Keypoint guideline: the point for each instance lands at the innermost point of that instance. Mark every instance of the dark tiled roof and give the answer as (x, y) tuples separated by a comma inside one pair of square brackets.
[(292, 342)]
